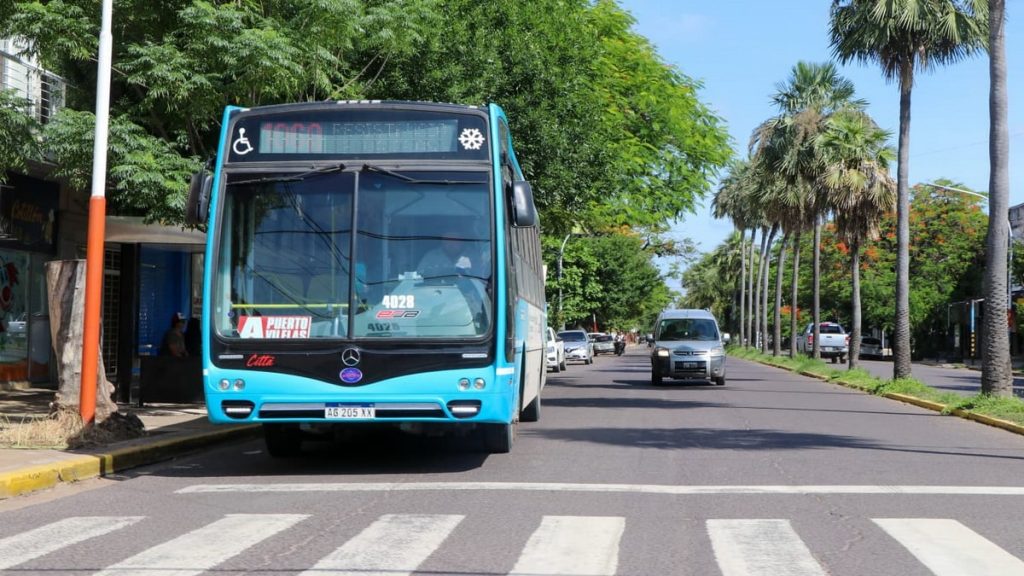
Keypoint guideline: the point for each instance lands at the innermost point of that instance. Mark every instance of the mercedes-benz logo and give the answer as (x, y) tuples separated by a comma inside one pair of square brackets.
[(350, 357)]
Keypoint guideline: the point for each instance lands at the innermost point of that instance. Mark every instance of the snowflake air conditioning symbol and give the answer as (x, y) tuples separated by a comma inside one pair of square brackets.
[(471, 139)]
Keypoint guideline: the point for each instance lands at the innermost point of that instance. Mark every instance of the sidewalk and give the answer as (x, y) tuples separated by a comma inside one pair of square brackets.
[(172, 429)]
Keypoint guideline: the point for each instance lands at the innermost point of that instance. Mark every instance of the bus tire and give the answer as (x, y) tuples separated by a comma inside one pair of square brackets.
[(283, 440), (498, 438), (531, 413)]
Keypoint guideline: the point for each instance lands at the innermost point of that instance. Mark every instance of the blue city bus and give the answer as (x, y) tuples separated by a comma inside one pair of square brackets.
[(370, 262)]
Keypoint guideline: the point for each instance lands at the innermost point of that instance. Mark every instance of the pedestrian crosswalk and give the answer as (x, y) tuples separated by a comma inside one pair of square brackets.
[(400, 544)]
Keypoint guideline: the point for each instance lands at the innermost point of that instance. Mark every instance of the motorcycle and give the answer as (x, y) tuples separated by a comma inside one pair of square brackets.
[(620, 347)]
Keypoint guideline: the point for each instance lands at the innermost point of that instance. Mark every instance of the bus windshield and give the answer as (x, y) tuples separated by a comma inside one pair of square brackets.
[(368, 254)]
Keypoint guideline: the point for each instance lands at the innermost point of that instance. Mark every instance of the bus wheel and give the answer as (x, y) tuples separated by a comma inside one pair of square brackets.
[(532, 411), (283, 440), (498, 438)]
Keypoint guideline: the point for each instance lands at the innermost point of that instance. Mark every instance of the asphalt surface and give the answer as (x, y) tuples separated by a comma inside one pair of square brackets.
[(772, 474)]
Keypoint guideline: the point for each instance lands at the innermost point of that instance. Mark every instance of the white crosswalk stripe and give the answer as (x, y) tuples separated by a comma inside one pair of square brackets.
[(948, 548), (206, 547), (30, 545), (573, 545), (400, 544), (394, 545), (761, 548)]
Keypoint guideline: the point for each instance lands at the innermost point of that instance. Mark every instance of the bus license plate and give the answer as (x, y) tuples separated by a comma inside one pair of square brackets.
[(348, 411)]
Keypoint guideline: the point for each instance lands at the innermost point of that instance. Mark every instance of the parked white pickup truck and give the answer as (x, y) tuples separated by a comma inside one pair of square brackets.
[(835, 342)]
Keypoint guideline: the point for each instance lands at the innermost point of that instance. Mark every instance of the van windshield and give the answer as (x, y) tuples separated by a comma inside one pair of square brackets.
[(687, 329)]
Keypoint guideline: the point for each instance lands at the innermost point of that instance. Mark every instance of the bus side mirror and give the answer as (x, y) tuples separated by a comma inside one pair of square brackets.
[(197, 209), (524, 211)]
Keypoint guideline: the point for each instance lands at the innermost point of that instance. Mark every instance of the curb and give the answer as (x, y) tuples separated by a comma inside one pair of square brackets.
[(86, 466), (921, 403)]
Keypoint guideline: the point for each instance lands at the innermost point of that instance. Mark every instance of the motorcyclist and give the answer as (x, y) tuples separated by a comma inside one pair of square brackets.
[(620, 343)]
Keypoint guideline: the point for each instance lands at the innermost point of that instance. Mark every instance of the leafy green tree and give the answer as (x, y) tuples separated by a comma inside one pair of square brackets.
[(18, 134), (176, 64), (903, 37)]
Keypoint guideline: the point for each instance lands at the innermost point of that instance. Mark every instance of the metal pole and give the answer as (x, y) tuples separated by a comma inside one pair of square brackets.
[(97, 220)]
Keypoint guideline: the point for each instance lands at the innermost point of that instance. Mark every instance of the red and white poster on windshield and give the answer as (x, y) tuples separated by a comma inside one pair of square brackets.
[(274, 326)]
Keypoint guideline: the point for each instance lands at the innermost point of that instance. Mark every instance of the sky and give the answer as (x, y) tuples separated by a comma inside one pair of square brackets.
[(742, 49)]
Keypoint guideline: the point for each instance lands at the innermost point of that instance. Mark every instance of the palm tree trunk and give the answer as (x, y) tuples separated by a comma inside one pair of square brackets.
[(750, 289), (794, 309), (777, 317), (996, 373), (854, 353), (757, 290), (766, 264), (901, 336), (816, 300), (743, 286)]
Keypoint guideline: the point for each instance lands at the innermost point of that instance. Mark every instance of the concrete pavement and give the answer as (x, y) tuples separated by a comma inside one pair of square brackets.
[(171, 429)]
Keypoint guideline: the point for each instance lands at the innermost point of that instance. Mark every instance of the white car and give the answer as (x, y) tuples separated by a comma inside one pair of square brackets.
[(578, 346), (555, 351)]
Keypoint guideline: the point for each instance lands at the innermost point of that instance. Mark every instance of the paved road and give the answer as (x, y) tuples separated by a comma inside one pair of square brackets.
[(771, 475), (960, 380)]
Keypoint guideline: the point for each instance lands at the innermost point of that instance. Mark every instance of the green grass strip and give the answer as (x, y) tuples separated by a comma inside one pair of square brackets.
[(1010, 409)]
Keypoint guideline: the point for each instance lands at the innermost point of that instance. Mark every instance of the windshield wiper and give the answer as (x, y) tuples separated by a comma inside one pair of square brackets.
[(411, 180), (295, 178)]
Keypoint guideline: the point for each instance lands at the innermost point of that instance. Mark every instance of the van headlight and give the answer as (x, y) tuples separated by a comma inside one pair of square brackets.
[(717, 351), (662, 352)]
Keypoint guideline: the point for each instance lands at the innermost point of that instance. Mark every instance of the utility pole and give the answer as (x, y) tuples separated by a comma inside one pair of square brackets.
[(97, 221)]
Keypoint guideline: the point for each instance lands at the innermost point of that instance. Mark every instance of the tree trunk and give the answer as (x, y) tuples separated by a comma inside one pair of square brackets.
[(794, 306), (65, 288), (743, 287), (750, 289), (854, 352), (816, 299), (756, 336), (901, 337), (996, 372), (777, 317), (762, 320)]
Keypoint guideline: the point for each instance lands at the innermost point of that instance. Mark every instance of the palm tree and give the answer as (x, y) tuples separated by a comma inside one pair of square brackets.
[(860, 192), (730, 202), (904, 36), (996, 373), (787, 145)]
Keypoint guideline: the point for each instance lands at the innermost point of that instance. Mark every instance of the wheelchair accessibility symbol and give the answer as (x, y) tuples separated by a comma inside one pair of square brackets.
[(241, 145)]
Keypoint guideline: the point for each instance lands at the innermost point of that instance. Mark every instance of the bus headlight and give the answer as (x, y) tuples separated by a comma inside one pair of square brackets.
[(479, 383), (239, 384), (464, 384), (224, 384)]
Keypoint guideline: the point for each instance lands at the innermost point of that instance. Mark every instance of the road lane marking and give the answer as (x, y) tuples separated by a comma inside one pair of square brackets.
[(572, 545), (761, 548), (51, 537), (394, 545), (202, 549), (948, 548), (605, 488)]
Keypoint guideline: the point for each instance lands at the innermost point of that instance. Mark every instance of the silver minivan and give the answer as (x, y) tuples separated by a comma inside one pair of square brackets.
[(687, 345)]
